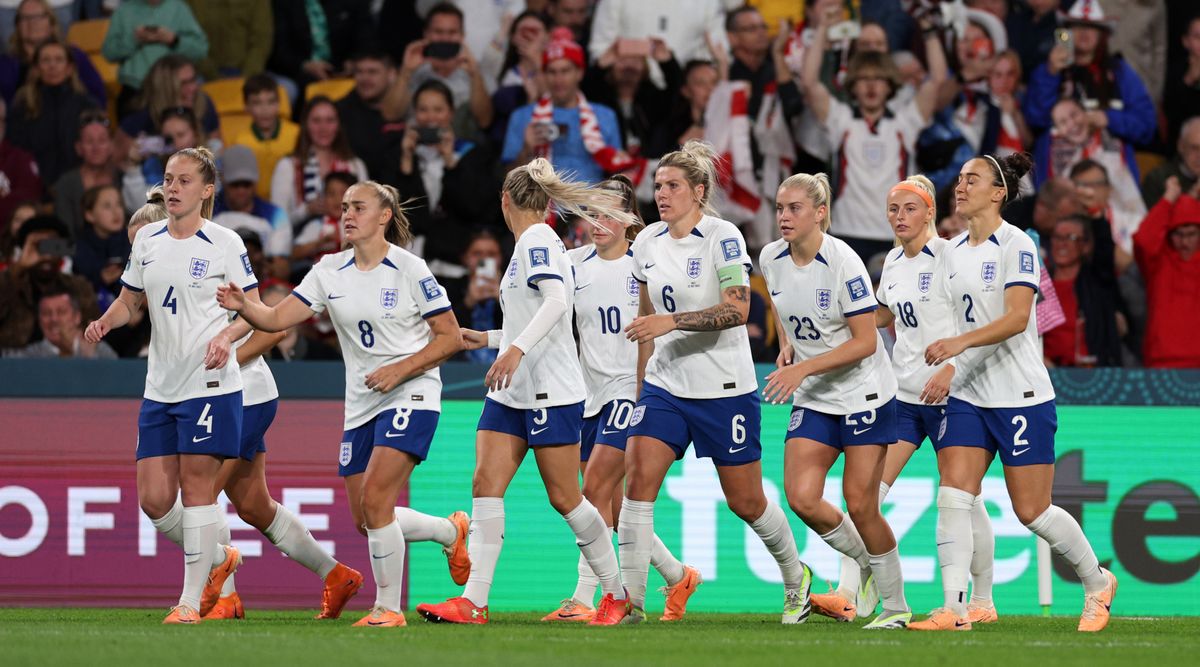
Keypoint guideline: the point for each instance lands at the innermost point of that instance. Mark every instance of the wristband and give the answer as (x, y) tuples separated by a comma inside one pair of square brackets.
[(493, 338)]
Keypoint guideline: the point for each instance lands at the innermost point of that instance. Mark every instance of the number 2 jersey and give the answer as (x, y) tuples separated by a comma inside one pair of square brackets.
[(549, 373), (814, 303), (606, 301), (1011, 373), (180, 278), (379, 316)]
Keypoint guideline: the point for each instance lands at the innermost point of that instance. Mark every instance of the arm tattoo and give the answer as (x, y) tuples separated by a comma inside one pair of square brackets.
[(724, 315)]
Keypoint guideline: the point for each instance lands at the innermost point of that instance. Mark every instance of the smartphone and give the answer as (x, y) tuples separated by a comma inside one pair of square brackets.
[(55, 247), (429, 135), (152, 28), (485, 270), (550, 132), (442, 50), (633, 47), (151, 144), (845, 31), (1066, 38)]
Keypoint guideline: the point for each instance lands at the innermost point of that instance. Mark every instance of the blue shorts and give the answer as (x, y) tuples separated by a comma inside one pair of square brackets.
[(606, 427), (915, 422), (208, 425), (256, 419), (539, 427), (408, 430), (1022, 436), (869, 427), (725, 430)]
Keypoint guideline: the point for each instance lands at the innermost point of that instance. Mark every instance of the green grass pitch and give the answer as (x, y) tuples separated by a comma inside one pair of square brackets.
[(136, 637)]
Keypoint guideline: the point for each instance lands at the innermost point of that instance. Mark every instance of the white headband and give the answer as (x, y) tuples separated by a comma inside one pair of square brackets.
[(1002, 178)]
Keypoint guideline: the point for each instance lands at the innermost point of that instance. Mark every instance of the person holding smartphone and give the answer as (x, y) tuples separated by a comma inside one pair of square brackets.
[(43, 243)]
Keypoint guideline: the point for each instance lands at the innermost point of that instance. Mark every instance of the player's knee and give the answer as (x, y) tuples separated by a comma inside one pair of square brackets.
[(748, 507), (564, 500), (155, 503), (862, 510), (257, 514), (1027, 512), (378, 508)]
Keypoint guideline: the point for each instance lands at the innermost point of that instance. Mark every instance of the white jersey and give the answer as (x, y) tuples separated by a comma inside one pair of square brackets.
[(606, 301), (870, 160), (1011, 373), (681, 276), (814, 303), (179, 278), (379, 316), (914, 289), (549, 374), (258, 384)]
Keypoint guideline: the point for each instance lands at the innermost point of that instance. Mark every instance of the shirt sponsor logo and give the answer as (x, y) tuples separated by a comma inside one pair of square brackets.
[(924, 282), (988, 273), (857, 288), (199, 268), (693, 267), (1026, 262), (431, 289), (539, 257), (731, 249), (388, 297), (824, 298), (246, 264)]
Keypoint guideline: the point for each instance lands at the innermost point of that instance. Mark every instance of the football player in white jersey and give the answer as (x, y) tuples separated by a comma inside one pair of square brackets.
[(191, 417), (606, 298), (1001, 400), (395, 327), (536, 393), (696, 373), (834, 368)]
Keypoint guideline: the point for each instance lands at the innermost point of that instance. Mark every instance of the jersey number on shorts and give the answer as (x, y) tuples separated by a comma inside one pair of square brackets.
[(170, 300), (908, 314), (620, 416), (366, 333), (738, 429), (205, 419), (668, 302), (801, 323), (1021, 424), (540, 417), (970, 308), (400, 421), (610, 319)]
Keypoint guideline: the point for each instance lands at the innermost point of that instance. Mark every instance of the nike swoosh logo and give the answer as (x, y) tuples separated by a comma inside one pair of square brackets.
[(953, 274), (959, 624), (1017, 452), (941, 544), (331, 297), (579, 287), (391, 434), (624, 544), (195, 439), (774, 293), (608, 432), (858, 432), (195, 554), (891, 285), (735, 451), (538, 430), (582, 545), (562, 615), (648, 266), (383, 556), (847, 609), (147, 261)]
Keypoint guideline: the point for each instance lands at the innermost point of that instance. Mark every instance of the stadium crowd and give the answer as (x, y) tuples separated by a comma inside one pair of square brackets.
[(441, 99)]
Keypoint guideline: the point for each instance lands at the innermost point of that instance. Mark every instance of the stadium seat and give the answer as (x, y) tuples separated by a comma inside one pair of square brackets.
[(226, 95), (112, 87), (88, 35), (232, 124), (1147, 161), (334, 89)]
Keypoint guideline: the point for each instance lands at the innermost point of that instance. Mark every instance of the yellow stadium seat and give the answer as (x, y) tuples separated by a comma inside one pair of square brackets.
[(334, 89), (233, 124), (108, 74), (1147, 162), (226, 95), (88, 35)]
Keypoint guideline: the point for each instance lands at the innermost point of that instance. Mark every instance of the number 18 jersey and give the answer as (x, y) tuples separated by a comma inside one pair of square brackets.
[(606, 301)]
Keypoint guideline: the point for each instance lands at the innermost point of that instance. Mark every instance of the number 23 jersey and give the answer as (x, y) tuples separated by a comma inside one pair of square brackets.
[(379, 316)]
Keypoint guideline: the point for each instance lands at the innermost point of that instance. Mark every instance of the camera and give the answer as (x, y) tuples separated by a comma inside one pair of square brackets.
[(429, 135), (442, 50)]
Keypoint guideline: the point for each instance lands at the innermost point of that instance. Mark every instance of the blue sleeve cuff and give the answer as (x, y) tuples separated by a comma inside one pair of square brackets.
[(249, 287), (301, 297), (860, 311), (534, 279), (131, 287), (432, 313), (1022, 283)]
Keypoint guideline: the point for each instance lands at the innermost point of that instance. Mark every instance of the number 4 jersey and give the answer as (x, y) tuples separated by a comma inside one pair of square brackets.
[(379, 316)]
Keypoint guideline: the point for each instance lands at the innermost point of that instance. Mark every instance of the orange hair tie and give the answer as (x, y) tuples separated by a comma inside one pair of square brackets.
[(915, 189)]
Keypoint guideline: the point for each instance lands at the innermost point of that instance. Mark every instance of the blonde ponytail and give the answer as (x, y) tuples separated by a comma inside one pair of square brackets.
[(399, 230), (816, 186), (698, 162), (208, 171), (534, 186)]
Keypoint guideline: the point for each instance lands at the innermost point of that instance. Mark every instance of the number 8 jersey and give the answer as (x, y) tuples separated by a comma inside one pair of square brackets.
[(379, 318)]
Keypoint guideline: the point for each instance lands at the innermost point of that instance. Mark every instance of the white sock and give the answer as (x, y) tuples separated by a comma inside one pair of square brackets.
[(199, 547), (484, 544), (889, 580), (635, 539), (954, 545), (667, 565), (224, 537), (776, 534), (595, 543), (846, 541), (420, 527), (984, 555), (171, 523), (387, 564), (586, 584), (1066, 539), (292, 538), (884, 487)]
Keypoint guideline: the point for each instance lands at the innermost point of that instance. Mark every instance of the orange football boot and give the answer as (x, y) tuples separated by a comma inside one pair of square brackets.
[(611, 611), (217, 577), (341, 584), (456, 554), (181, 615), (571, 611), (226, 608), (678, 594), (942, 619), (833, 605), (1097, 608), (382, 618), (454, 610)]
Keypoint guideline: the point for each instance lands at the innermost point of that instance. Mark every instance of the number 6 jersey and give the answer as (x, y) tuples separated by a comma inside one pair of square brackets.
[(379, 316)]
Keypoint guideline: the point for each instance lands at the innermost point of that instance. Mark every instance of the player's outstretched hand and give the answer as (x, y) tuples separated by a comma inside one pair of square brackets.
[(95, 331), (231, 297), (500, 375), (938, 387), (648, 327), (473, 340), (782, 383), (217, 353), (385, 378), (941, 350)]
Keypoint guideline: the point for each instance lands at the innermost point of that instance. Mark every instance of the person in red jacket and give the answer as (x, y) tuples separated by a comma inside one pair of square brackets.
[(1166, 247)]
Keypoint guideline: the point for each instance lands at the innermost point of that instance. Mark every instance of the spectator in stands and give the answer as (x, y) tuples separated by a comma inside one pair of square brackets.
[(520, 79), (1055, 200), (475, 297), (148, 156), (686, 121), (574, 15), (301, 52), (61, 321), (1094, 190), (1103, 83), (875, 142), (37, 271), (442, 55), (62, 12), (22, 211), (245, 28), (36, 22), (102, 246), (171, 83), (322, 234), (270, 136), (1181, 94), (323, 148), (1166, 245), (554, 127), (1030, 27), (1140, 34), (19, 180), (97, 166), (1184, 165), (370, 138), (1081, 261), (444, 175), (44, 118), (1005, 87), (620, 81), (685, 25), (238, 208), (142, 31)]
